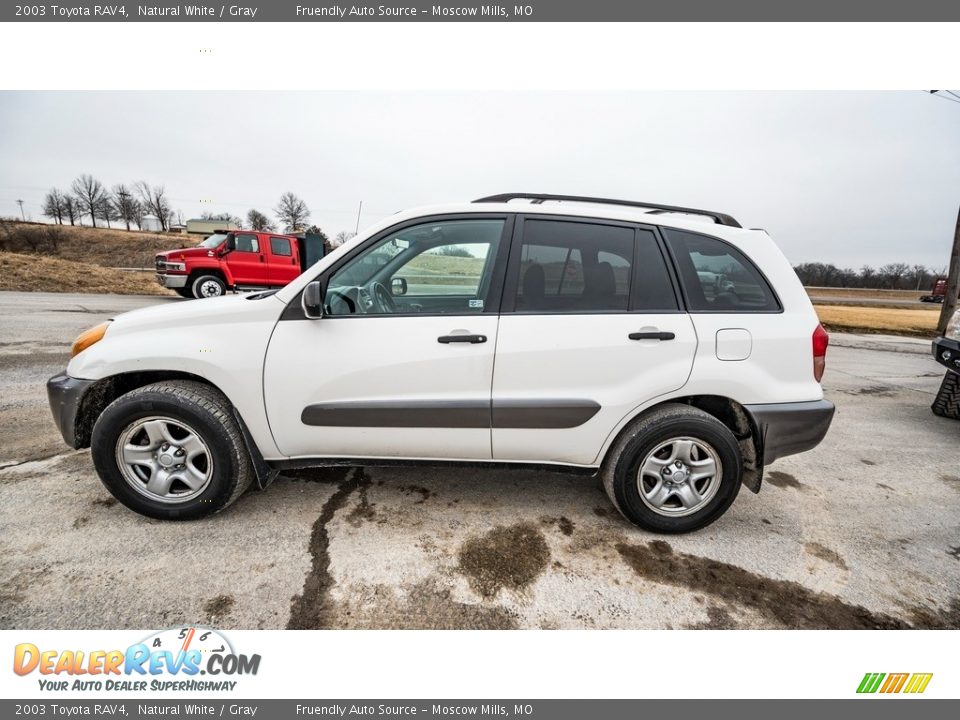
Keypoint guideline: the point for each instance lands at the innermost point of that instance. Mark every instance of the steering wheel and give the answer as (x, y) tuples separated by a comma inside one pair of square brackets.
[(383, 298)]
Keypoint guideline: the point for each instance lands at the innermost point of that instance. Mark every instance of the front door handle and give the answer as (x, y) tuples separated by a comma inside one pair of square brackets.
[(654, 335), (472, 339)]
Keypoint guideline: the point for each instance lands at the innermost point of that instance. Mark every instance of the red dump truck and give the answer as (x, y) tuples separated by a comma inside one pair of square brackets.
[(237, 260)]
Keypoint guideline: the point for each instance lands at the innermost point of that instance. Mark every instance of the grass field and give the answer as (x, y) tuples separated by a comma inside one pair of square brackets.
[(34, 273), (96, 246), (892, 321)]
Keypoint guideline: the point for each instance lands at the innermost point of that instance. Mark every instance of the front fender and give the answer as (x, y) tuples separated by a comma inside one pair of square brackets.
[(221, 340)]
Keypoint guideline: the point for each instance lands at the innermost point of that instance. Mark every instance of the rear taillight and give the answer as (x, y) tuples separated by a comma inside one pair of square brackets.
[(820, 342)]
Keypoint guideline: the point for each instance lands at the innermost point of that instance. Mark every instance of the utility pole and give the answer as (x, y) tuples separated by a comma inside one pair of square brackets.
[(359, 210), (953, 282), (20, 203)]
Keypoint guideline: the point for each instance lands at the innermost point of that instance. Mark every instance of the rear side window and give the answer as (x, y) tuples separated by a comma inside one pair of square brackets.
[(717, 277), (280, 246), (574, 267), (247, 243)]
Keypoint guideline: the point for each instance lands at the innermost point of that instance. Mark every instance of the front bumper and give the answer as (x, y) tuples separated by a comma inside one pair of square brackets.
[(790, 428), (947, 353), (172, 281), (65, 394)]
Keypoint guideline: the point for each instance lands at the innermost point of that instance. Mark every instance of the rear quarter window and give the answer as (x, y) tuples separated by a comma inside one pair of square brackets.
[(717, 277)]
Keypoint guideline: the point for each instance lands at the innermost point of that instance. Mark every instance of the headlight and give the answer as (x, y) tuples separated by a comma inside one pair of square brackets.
[(953, 327), (88, 338)]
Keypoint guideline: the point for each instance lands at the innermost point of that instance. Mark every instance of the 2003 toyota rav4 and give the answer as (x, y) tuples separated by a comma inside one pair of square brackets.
[(666, 348)]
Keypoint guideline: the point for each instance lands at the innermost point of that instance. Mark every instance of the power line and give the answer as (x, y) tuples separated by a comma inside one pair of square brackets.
[(934, 93)]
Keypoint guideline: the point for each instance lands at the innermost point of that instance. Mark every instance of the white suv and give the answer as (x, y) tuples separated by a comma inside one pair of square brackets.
[(665, 348)]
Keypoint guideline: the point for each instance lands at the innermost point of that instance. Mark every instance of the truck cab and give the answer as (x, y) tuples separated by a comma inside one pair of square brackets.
[(234, 260)]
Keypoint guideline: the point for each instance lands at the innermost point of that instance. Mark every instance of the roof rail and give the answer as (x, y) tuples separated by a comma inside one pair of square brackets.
[(655, 209)]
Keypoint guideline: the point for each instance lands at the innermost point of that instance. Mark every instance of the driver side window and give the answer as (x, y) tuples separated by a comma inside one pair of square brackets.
[(436, 268)]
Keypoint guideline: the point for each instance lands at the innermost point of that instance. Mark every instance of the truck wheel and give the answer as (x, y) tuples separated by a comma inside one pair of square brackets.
[(947, 402), (206, 286), (184, 292), (677, 469), (171, 450)]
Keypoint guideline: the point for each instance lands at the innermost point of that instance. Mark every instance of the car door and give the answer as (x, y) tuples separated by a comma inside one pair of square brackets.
[(283, 264), (379, 376), (591, 329), (246, 260)]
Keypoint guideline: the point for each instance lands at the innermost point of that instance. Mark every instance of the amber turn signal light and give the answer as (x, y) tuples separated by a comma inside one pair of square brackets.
[(88, 338)]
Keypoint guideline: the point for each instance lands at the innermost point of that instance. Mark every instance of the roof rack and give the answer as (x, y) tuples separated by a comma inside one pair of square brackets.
[(654, 208)]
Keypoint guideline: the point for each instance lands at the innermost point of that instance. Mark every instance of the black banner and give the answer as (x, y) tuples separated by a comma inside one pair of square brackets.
[(853, 709), (523, 11)]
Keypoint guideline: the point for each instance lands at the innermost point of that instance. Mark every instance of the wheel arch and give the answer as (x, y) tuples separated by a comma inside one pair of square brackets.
[(728, 411), (104, 391)]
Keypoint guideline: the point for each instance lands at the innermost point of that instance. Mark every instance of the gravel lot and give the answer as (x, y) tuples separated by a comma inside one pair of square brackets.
[(863, 532)]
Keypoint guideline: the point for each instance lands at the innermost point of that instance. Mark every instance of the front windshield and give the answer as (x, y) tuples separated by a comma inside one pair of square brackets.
[(214, 240)]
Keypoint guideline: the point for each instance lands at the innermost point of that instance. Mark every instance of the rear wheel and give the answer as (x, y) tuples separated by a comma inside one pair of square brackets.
[(206, 286), (947, 402), (676, 470), (171, 450)]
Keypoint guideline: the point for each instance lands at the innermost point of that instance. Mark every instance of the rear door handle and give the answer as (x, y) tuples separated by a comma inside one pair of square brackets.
[(655, 335), (472, 339)]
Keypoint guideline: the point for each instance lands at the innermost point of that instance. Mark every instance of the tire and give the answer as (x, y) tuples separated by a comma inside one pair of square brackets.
[(205, 286), (681, 433), (212, 470), (947, 402), (184, 292)]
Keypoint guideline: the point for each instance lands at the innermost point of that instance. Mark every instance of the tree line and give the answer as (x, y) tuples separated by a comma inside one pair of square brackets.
[(131, 204), (893, 276)]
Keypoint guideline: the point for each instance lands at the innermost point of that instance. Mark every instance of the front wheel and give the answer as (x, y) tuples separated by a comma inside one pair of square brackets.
[(171, 450), (206, 286), (947, 402), (676, 470)]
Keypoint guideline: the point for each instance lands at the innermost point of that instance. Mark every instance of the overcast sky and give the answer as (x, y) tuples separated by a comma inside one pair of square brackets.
[(849, 178)]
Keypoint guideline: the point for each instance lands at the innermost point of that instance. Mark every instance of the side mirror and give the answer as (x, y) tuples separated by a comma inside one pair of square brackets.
[(398, 286), (313, 300), (229, 246)]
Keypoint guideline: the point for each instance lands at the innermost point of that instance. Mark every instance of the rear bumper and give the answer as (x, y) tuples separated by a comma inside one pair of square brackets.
[(947, 353), (790, 428), (172, 281), (65, 393)]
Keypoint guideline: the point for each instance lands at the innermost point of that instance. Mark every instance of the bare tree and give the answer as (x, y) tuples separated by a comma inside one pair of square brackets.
[(90, 194), (292, 212), (54, 205), (258, 221), (892, 273), (155, 202), (71, 208), (125, 204), (106, 210), (342, 237)]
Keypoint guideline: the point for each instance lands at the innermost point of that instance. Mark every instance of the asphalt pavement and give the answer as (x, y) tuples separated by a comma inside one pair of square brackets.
[(862, 532)]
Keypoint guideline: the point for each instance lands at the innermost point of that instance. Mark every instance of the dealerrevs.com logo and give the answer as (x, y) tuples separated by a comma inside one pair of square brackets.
[(169, 660), (910, 683)]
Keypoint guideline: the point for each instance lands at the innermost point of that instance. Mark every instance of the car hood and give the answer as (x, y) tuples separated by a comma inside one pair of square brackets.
[(187, 313), (185, 253)]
